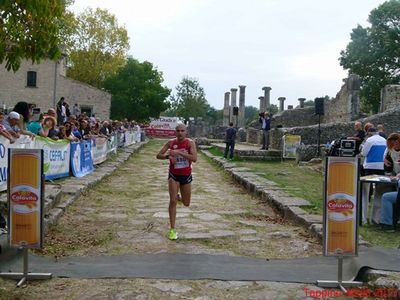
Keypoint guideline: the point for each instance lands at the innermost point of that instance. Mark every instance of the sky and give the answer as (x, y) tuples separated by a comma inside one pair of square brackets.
[(291, 46)]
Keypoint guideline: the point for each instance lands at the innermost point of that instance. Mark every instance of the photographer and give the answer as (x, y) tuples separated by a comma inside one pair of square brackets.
[(265, 121)]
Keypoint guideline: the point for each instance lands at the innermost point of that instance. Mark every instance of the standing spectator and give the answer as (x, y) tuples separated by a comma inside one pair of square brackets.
[(25, 112), (265, 120), (358, 136), (381, 130), (373, 152), (67, 111), (230, 136), (76, 111), (59, 109)]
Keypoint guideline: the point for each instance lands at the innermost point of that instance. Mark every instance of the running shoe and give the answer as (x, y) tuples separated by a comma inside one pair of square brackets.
[(172, 235)]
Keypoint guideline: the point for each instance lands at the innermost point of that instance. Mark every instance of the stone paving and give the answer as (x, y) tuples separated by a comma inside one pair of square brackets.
[(127, 213)]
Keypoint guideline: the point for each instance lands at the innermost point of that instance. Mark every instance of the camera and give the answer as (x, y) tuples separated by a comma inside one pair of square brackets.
[(342, 147), (261, 114)]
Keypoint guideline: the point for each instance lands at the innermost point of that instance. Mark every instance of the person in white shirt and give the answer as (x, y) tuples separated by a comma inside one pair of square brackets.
[(373, 152)]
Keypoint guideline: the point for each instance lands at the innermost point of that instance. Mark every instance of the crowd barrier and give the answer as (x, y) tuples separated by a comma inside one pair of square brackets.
[(63, 158)]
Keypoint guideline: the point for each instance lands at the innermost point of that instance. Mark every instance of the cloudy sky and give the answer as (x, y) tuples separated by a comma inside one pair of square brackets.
[(291, 46)]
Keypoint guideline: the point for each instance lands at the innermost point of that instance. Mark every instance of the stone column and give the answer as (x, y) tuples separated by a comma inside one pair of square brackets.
[(233, 104), (302, 100), (225, 121), (281, 103), (267, 103), (262, 103), (242, 100)]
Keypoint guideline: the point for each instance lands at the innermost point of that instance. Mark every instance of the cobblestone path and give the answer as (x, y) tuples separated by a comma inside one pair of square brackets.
[(127, 213)]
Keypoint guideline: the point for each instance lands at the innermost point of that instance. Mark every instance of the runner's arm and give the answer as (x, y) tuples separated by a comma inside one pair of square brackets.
[(163, 154)]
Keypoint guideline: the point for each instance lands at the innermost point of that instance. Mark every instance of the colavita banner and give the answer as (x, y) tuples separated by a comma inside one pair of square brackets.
[(25, 197), (290, 145), (340, 206), (56, 156), (164, 126)]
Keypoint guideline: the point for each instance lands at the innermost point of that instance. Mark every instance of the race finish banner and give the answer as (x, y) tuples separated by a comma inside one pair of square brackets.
[(162, 127), (290, 145), (340, 206), (25, 197)]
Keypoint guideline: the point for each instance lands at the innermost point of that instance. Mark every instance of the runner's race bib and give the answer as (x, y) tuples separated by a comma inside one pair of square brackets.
[(181, 162)]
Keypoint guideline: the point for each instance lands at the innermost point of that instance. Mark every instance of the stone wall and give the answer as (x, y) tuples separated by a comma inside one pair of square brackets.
[(390, 97), (296, 117), (13, 88), (345, 107), (332, 131)]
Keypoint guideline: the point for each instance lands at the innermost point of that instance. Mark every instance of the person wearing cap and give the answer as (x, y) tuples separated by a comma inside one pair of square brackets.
[(10, 123), (373, 152)]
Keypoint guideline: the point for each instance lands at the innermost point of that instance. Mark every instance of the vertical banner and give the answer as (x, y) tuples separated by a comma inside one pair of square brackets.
[(290, 145), (25, 197), (340, 206)]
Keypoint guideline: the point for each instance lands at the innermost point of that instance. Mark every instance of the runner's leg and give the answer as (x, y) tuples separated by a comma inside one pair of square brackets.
[(173, 190), (186, 191)]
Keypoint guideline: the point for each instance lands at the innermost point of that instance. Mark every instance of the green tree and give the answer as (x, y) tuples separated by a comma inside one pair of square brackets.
[(189, 100), (137, 91), (98, 46), (374, 53), (251, 113), (29, 29)]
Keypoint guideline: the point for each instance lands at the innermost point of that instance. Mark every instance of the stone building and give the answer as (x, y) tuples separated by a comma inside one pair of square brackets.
[(45, 83)]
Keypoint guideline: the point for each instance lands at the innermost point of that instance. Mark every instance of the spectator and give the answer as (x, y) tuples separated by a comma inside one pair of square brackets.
[(104, 130), (49, 130), (10, 124), (76, 111), (358, 136), (25, 112), (75, 130), (373, 152), (59, 108), (84, 129), (36, 126), (381, 130), (230, 136), (3, 130), (68, 132), (389, 199), (265, 120)]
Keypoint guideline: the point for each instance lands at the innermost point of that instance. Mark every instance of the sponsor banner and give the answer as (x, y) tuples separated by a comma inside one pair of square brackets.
[(99, 150), (81, 158), (290, 145), (120, 139), (25, 197), (130, 137), (56, 156), (340, 206), (24, 142), (163, 127), (112, 144)]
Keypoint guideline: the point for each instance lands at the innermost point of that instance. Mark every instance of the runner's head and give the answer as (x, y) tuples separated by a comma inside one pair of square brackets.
[(180, 131)]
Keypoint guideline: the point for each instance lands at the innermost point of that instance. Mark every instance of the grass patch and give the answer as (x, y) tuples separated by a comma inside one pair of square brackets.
[(380, 238), (218, 152), (296, 181)]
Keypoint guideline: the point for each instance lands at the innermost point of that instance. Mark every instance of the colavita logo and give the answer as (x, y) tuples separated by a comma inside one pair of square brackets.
[(338, 204), (24, 197)]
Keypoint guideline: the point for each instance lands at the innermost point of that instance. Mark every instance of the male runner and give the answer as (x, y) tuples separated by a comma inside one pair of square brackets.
[(181, 152)]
